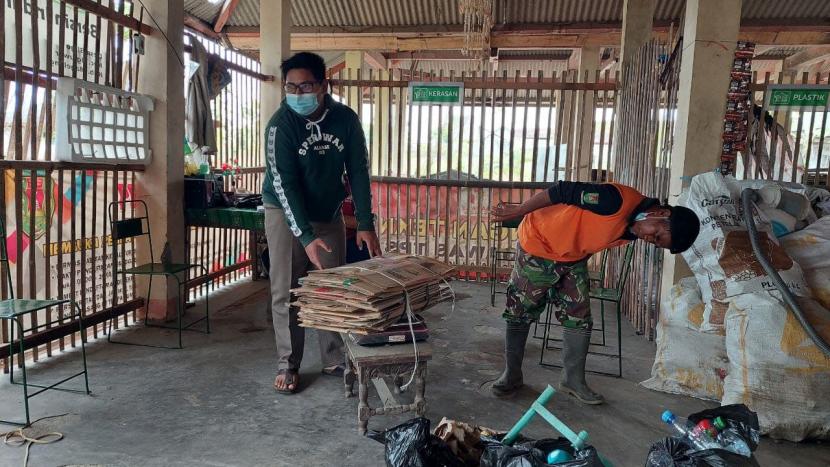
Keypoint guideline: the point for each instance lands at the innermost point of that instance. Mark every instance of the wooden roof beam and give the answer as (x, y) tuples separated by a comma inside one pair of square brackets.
[(224, 14), (195, 24), (375, 60)]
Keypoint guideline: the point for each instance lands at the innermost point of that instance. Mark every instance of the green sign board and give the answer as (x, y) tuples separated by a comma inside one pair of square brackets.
[(784, 97), (436, 93)]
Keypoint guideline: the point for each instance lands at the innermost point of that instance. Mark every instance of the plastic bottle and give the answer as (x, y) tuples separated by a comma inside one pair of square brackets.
[(730, 439), (706, 426), (700, 439)]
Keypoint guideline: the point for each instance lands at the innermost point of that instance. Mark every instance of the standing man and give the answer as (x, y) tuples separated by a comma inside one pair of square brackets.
[(310, 141), (562, 227)]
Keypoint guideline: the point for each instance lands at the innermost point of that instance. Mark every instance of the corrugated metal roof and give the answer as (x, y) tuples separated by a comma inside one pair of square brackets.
[(561, 54), (374, 12), (778, 52), (205, 10), (778, 9), (245, 14), (560, 11), (364, 13)]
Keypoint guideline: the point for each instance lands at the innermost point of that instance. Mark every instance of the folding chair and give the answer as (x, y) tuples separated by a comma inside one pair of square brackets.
[(598, 275), (139, 226), (14, 310), (595, 276), (498, 256), (603, 294)]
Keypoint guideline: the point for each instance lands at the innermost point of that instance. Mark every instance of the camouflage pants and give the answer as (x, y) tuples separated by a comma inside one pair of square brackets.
[(535, 282)]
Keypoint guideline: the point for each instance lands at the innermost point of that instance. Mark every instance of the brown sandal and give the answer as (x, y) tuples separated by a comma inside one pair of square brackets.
[(334, 370), (290, 377)]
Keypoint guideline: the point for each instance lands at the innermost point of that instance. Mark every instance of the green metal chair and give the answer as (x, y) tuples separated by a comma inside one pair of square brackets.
[(598, 275), (595, 276), (603, 294), (14, 310), (500, 256), (139, 226)]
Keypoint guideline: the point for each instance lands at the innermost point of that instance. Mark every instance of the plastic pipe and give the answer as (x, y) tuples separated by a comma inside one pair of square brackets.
[(748, 196)]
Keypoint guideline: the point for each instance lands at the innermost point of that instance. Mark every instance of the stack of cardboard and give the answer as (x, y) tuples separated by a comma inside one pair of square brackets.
[(368, 296)]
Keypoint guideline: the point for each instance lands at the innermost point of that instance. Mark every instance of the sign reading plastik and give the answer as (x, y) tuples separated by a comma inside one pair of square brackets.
[(789, 96), (436, 93)]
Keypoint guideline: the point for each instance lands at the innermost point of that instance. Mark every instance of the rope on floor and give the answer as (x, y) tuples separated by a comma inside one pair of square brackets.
[(17, 438)]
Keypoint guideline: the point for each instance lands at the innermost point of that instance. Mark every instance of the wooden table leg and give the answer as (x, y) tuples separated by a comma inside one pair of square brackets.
[(420, 388), (363, 410), (253, 253), (349, 377)]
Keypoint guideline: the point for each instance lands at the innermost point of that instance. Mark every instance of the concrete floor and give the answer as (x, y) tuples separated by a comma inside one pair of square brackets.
[(212, 403)]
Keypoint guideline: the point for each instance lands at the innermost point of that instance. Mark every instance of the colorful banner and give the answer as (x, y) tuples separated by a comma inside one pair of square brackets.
[(85, 261)]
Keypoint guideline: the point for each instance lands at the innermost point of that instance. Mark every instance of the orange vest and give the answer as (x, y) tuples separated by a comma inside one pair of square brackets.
[(567, 233)]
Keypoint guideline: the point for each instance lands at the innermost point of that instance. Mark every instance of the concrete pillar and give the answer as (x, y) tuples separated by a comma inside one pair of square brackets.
[(583, 143), (638, 23), (161, 185), (709, 40), (275, 40), (354, 62)]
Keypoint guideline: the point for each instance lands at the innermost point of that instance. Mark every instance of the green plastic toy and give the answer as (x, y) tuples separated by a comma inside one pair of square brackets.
[(577, 440)]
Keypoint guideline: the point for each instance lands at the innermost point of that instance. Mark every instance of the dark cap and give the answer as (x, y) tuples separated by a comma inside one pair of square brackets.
[(684, 226)]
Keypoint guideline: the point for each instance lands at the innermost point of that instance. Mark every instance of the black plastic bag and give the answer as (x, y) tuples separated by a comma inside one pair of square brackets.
[(411, 444), (530, 453), (672, 451), (737, 416)]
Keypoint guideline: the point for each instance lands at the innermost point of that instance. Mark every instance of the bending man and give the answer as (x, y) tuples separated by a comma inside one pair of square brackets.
[(562, 227)]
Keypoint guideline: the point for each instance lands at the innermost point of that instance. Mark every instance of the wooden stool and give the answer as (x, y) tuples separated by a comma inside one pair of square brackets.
[(374, 363)]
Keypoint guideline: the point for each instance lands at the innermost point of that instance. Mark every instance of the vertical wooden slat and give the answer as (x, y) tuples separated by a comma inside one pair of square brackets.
[(428, 190), (398, 168), (73, 197), (475, 229), (511, 153), (822, 133), (418, 139), (389, 145), (17, 125), (60, 258), (571, 127), (523, 155), (502, 127)]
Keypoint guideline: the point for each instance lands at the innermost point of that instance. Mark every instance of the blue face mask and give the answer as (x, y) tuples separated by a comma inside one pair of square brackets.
[(303, 104), (643, 216)]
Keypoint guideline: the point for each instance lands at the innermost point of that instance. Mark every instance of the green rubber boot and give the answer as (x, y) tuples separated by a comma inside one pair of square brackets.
[(511, 379), (574, 352)]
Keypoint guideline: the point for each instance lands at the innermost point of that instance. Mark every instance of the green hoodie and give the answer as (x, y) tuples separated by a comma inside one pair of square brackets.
[(304, 165)]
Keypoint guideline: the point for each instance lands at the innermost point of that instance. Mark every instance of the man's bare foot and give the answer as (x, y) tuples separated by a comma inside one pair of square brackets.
[(287, 381)]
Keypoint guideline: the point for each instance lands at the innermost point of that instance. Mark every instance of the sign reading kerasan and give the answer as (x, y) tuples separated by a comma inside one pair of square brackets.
[(436, 93), (791, 97)]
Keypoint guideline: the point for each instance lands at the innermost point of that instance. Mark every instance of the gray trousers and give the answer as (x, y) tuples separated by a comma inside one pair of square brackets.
[(288, 264)]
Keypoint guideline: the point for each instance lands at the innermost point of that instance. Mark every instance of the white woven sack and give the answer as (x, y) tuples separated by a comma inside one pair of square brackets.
[(775, 369), (810, 248), (687, 361), (722, 258)]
